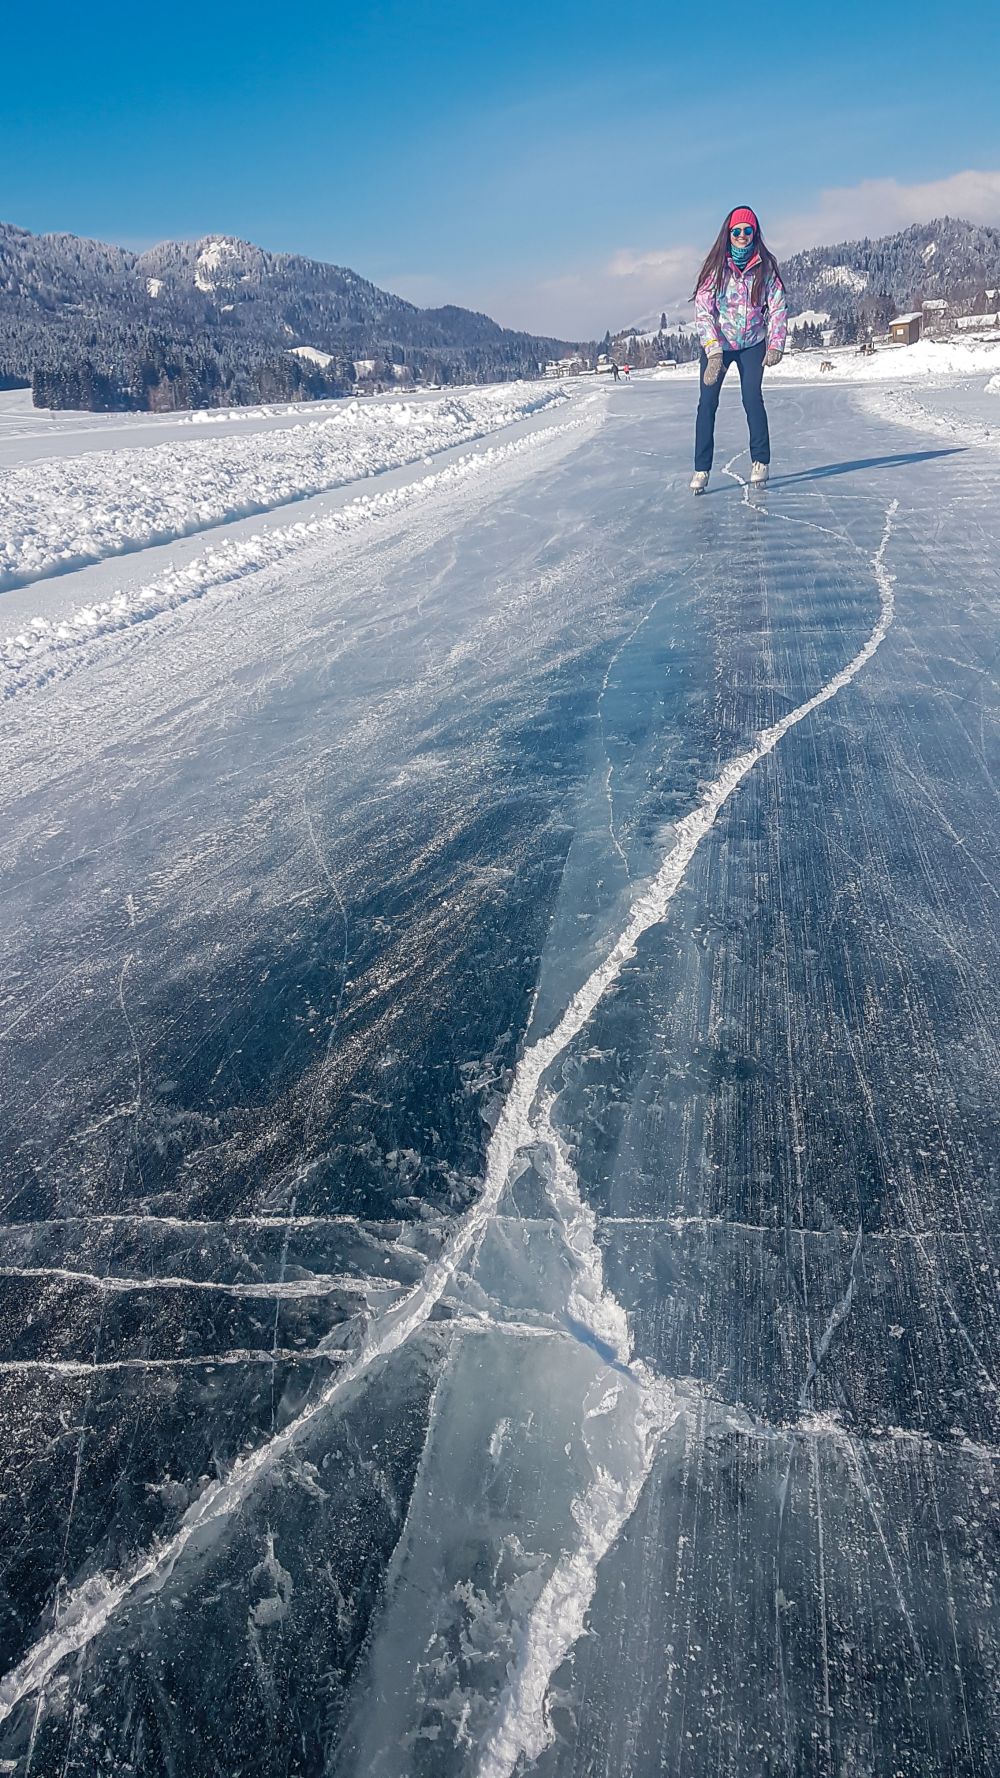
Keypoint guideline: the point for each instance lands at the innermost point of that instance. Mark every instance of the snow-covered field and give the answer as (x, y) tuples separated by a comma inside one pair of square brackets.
[(67, 510), (888, 364)]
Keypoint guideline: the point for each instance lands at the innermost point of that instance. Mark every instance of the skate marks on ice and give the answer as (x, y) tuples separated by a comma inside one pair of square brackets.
[(524, 1120)]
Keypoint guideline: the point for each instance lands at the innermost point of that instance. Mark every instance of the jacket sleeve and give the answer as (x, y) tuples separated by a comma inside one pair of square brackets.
[(706, 315), (777, 315)]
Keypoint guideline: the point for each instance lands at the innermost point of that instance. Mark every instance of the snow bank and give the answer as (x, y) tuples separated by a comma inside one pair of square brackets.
[(45, 646), (964, 413), (66, 512), (889, 364)]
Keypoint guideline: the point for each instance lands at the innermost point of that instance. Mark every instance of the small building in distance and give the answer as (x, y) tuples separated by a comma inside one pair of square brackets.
[(976, 323), (935, 313), (565, 367), (905, 330)]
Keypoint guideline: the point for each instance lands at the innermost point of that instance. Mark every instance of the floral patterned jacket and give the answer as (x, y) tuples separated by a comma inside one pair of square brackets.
[(729, 319)]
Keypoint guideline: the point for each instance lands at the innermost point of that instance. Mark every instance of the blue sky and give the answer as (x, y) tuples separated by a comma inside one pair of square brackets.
[(558, 165)]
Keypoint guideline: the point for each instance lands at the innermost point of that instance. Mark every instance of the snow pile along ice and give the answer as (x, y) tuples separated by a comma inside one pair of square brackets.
[(66, 512), (44, 645)]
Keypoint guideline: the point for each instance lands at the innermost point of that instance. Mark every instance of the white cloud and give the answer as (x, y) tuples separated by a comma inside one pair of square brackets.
[(580, 304), (666, 265), (880, 206)]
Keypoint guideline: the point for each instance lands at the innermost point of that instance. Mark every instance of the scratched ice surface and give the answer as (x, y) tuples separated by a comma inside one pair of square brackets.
[(500, 1134)]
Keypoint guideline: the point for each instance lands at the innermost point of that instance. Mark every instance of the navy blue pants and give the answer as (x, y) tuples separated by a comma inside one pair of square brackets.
[(750, 364)]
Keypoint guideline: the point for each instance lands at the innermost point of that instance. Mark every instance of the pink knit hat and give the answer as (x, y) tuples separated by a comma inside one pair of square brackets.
[(744, 215)]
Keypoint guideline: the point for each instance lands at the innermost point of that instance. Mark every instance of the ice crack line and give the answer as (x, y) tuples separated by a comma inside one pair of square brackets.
[(85, 1613), (620, 1462)]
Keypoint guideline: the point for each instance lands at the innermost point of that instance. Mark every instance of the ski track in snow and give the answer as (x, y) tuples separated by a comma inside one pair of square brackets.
[(45, 646), (558, 1616)]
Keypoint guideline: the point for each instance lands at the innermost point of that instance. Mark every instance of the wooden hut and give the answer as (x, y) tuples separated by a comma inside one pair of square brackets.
[(905, 330)]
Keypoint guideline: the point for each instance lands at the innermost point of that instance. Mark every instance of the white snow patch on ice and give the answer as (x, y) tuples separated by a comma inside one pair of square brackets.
[(969, 422)]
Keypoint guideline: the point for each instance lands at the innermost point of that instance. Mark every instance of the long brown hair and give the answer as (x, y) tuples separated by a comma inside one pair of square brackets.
[(714, 268)]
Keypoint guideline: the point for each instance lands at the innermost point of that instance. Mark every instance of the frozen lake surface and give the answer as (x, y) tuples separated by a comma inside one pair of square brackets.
[(499, 1132)]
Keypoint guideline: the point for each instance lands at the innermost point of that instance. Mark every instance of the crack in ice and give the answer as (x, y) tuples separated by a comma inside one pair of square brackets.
[(89, 1609)]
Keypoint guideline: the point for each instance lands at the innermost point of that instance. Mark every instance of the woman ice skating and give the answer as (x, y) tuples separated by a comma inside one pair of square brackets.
[(742, 317)]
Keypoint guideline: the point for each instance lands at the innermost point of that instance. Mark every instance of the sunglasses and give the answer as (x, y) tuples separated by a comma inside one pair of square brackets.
[(742, 228)]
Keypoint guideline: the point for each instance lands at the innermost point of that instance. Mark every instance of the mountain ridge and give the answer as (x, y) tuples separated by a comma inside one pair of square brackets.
[(215, 320), (944, 258)]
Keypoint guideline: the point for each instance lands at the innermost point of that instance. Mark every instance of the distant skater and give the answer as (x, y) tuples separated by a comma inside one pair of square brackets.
[(614, 370), (742, 317)]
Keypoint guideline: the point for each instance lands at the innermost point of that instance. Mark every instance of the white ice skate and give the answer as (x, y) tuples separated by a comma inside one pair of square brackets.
[(699, 481), (758, 475)]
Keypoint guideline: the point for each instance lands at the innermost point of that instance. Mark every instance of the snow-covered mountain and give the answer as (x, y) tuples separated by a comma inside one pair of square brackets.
[(222, 319), (947, 258)]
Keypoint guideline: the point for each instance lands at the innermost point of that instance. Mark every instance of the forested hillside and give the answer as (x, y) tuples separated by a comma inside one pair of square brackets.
[(862, 284), (219, 322)]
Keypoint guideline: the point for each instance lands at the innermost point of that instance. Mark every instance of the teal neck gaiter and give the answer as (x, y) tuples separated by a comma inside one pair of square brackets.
[(740, 255)]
